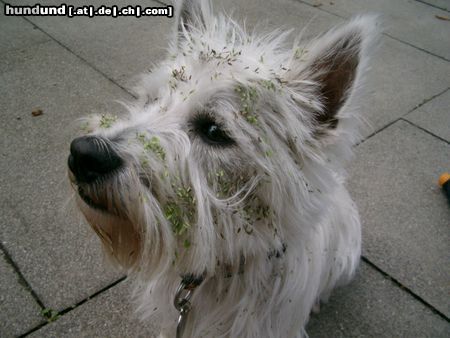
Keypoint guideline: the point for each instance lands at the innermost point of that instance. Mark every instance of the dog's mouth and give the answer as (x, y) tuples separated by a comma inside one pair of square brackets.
[(99, 201), (99, 197), (95, 204), (85, 192)]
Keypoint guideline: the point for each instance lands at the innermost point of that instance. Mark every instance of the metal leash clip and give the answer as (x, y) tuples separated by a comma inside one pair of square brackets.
[(182, 300)]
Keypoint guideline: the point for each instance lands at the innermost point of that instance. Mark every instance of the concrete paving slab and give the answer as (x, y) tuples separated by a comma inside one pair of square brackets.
[(114, 47), (18, 310), (16, 32), (268, 15), (404, 213), (410, 21), (56, 251), (108, 315), (373, 306), (401, 78), (120, 47), (434, 116)]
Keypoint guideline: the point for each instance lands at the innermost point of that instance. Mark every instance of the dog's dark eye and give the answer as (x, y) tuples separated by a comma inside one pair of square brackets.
[(211, 132)]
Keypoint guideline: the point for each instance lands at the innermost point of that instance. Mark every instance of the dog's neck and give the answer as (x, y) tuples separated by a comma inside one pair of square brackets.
[(190, 282)]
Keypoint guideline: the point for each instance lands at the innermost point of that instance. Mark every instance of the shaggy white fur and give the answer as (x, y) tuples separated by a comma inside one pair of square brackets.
[(232, 170)]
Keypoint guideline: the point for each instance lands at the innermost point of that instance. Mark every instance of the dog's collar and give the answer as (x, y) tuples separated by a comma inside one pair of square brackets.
[(182, 300), (189, 282)]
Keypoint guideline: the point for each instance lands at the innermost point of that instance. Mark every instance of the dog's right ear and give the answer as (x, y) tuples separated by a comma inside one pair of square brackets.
[(332, 68), (191, 15)]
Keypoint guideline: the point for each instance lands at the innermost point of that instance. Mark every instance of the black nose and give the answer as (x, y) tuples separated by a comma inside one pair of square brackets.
[(91, 158)]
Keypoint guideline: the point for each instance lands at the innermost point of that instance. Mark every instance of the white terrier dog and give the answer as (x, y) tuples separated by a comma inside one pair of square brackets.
[(222, 188)]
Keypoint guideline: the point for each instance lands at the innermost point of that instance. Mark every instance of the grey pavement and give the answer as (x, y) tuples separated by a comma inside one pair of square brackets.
[(54, 281)]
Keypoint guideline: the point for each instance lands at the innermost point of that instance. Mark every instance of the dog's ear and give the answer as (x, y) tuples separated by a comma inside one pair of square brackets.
[(190, 15), (332, 67)]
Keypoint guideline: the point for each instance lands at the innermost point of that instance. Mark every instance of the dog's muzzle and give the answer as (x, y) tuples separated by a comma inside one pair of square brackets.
[(92, 158), (92, 161)]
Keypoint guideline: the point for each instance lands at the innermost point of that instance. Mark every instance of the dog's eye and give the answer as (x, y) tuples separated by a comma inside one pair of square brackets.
[(211, 132)]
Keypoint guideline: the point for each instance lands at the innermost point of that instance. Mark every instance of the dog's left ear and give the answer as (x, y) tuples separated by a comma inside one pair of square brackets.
[(191, 14), (332, 68)]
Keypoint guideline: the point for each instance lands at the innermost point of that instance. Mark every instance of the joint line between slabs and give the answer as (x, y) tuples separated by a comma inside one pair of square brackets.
[(425, 130), (76, 55), (416, 47), (70, 308), (377, 131), (425, 101), (161, 3), (385, 34), (403, 118), (405, 288), (431, 5), (22, 279)]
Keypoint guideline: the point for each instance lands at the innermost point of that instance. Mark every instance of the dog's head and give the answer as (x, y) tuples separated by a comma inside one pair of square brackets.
[(233, 137)]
